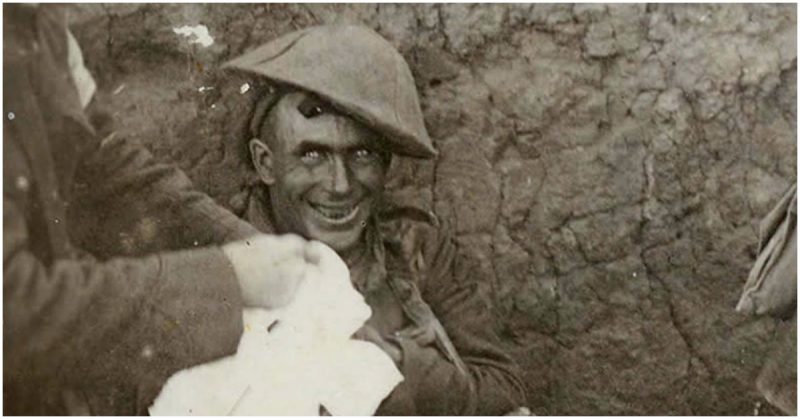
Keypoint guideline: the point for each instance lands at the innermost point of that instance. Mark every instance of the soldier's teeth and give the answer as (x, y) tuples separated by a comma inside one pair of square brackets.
[(336, 214)]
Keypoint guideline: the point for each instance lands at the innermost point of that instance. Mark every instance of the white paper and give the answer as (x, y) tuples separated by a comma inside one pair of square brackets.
[(307, 359)]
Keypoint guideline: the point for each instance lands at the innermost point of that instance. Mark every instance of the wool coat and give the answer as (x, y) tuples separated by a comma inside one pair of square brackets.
[(406, 275), (99, 304)]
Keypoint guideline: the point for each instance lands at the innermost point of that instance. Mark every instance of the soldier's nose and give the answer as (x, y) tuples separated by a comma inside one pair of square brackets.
[(340, 178)]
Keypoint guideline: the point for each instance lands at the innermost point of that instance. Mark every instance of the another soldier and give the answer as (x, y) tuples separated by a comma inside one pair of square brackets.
[(99, 304), (342, 102), (771, 289)]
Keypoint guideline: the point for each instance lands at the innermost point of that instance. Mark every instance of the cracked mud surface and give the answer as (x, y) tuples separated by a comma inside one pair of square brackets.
[(604, 168)]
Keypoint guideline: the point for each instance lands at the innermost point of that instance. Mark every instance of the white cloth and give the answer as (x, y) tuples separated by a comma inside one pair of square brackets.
[(305, 360)]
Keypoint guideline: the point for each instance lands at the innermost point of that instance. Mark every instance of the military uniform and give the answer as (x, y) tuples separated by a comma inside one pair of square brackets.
[(453, 365), (771, 289), (402, 295), (87, 329)]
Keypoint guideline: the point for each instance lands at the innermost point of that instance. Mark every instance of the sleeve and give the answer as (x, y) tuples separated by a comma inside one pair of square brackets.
[(771, 286), (433, 385), (127, 204), (135, 316), (146, 206), (77, 322)]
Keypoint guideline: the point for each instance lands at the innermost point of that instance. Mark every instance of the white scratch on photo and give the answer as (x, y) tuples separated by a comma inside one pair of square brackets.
[(198, 34)]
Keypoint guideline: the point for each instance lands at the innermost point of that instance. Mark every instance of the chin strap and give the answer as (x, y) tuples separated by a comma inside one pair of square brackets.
[(406, 268)]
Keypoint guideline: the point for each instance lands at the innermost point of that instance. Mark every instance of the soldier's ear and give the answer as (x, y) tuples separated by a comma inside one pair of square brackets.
[(261, 155)]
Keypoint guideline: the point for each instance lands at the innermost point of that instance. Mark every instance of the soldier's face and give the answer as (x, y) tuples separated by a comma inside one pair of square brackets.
[(324, 171)]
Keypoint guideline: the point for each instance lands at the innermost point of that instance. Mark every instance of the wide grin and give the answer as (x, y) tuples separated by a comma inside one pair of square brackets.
[(337, 214)]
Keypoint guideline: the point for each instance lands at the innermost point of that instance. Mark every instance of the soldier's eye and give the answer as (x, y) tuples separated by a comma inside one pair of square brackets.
[(363, 153), (311, 157)]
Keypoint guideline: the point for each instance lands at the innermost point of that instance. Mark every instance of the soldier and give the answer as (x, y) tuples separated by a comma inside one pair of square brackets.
[(341, 103), (99, 304), (771, 289)]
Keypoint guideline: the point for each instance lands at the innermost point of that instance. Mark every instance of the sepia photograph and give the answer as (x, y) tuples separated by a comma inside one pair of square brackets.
[(356, 209)]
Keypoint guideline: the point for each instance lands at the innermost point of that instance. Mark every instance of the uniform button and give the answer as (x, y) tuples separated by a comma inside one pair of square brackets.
[(22, 183), (11, 116)]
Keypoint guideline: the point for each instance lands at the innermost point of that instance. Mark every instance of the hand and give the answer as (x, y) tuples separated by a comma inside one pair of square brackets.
[(271, 268), (368, 333)]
